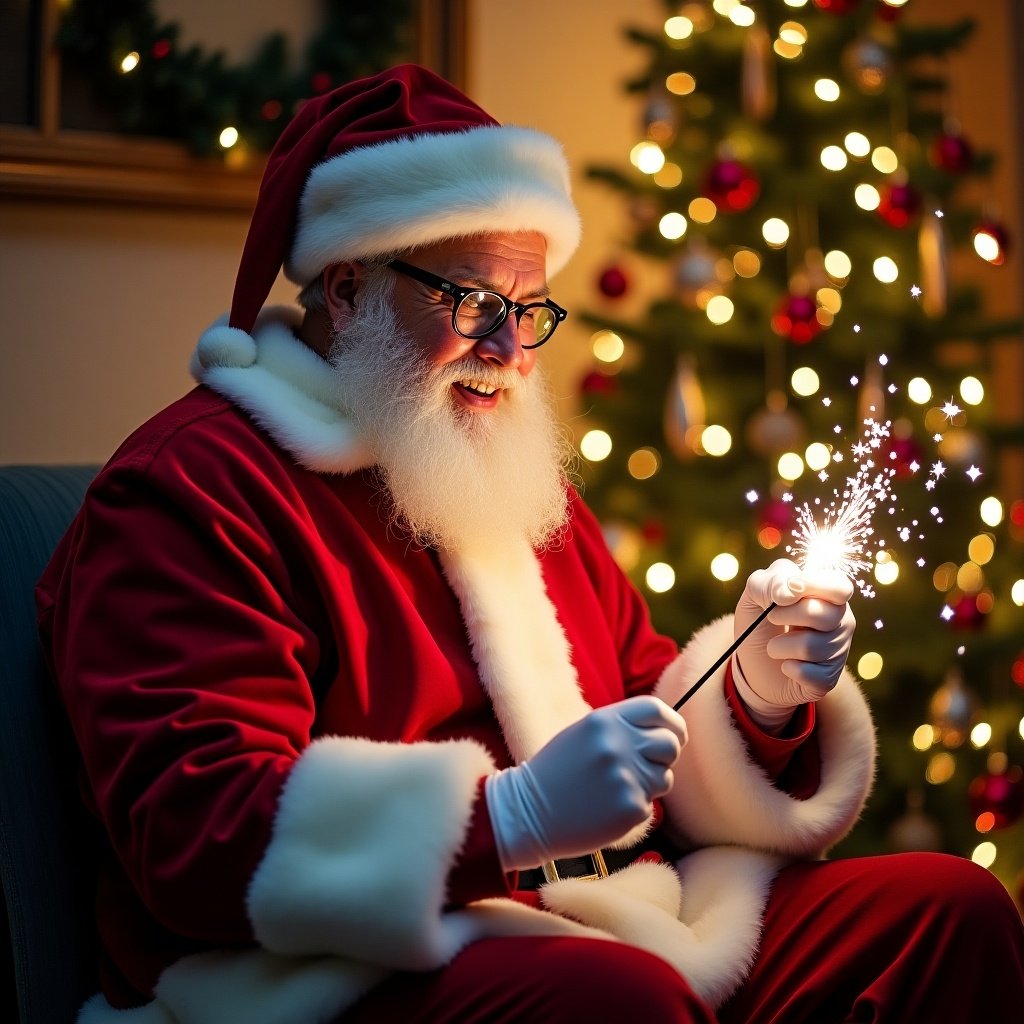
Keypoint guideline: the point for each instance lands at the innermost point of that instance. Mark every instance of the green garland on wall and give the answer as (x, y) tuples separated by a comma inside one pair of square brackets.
[(155, 86)]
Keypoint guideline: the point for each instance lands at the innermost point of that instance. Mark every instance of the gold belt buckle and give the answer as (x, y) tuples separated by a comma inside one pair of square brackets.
[(550, 869)]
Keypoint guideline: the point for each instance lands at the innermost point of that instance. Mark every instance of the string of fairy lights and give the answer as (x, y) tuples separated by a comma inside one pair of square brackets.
[(955, 721)]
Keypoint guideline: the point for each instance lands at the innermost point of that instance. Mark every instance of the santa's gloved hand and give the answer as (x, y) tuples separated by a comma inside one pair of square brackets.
[(797, 654), (587, 786)]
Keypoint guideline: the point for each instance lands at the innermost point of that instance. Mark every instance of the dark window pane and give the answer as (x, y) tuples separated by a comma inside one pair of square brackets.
[(19, 61)]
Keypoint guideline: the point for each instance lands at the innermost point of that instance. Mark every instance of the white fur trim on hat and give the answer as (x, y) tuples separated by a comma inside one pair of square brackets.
[(723, 796), (420, 189)]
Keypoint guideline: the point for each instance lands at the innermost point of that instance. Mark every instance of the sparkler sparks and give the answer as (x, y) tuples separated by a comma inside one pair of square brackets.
[(842, 540), (841, 537)]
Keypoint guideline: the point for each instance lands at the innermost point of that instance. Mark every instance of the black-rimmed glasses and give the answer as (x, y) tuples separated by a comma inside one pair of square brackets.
[(477, 312)]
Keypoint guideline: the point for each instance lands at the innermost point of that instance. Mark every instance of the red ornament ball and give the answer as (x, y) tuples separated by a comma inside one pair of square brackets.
[(653, 531), (796, 318), (991, 242), (271, 110), (900, 205), (968, 615), (321, 82), (902, 453), (612, 283), (731, 185), (597, 383), (1017, 670), (952, 153), (886, 12), (837, 6), (778, 514), (161, 48), (999, 794)]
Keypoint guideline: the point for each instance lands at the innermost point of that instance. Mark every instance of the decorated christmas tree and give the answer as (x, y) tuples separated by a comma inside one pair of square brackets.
[(796, 183)]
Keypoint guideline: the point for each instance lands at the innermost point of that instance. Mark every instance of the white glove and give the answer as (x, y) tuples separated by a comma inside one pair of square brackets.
[(587, 786), (797, 654)]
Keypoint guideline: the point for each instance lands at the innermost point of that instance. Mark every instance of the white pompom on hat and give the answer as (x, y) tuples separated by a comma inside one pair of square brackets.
[(391, 162)]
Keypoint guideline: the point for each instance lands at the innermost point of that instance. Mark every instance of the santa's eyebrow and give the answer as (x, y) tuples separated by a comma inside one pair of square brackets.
[(470, 280)]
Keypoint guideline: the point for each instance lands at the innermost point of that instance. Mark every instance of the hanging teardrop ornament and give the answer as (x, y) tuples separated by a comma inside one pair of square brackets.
[(757, 80), (871, 402), (684, 410), (932, 250)]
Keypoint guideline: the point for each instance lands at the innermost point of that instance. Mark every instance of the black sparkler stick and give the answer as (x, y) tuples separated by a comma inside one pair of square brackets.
[(729, 651)]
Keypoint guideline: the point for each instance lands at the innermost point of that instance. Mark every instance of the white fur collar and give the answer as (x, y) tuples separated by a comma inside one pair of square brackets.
[(284, 386), (518, 644)]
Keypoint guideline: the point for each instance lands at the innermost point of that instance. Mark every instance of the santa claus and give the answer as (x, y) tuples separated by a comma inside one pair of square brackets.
[(374, 726)]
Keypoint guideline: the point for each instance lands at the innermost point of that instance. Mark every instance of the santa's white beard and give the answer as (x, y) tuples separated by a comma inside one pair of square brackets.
[(455, 478)]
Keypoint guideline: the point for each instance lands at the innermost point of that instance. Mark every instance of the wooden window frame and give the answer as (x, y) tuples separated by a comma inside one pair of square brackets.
[(46, 161)]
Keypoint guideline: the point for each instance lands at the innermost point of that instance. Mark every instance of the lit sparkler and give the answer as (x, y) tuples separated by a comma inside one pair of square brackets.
[(842, 540)]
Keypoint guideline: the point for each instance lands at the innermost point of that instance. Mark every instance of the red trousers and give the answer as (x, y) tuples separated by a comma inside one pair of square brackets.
[(896, 940)]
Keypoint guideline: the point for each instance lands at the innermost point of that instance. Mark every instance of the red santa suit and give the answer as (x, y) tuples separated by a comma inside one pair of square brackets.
[(286, 711)]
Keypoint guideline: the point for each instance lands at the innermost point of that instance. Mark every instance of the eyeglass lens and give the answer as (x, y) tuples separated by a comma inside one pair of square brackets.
[(480, 312)]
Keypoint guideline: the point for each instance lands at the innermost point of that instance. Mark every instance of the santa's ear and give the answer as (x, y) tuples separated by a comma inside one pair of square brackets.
[(342, 282)]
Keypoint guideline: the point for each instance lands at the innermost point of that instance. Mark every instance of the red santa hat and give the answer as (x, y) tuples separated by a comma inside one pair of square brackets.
[(391, 162)]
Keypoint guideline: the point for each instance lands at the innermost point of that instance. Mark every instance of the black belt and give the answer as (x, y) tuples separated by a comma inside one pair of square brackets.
[(598, 864)]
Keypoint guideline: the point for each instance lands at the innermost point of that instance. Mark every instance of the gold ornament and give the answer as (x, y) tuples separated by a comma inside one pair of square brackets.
[(952, 709), (775, 428), (869, 62), (915, 830), (757, 82), (931, 247), (684, 415), (871, 402)]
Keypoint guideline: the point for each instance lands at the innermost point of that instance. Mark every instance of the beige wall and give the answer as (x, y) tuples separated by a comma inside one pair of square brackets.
[(100, 305)]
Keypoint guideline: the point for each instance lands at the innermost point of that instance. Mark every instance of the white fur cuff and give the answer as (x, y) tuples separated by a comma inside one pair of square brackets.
[(364, 838), (721, 796)]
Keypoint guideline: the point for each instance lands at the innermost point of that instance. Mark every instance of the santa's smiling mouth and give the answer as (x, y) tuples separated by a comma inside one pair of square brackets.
[(476, 388)]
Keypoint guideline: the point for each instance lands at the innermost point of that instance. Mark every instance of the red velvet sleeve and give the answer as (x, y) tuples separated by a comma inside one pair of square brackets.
[(477, 873), (791, 760), (184, 669)]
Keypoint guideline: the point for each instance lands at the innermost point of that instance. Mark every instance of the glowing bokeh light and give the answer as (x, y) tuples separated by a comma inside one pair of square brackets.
[(972, 391), (716, 440), (660, 577), (790, 466), (775, 231), (981, 734), (719, 309), (679, 27), (672, 226), (991, 511), (804, 381), (923, 738), (837, 264), (866, 197), (884, 160), (919, 391), (596, 445), (834, 158), (607, 346), (885, 269), (827, 90), (857, 144), (724, 567), (869, 665), (984, 854)]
